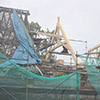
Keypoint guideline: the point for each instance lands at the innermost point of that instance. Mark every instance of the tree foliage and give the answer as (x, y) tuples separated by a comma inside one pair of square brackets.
[(35, 26)]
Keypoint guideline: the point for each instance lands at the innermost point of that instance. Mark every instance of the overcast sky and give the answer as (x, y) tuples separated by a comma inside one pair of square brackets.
[(79, 18)]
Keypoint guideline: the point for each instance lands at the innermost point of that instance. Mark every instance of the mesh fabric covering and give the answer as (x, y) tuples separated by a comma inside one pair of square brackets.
[(17, 83), (92, 65)]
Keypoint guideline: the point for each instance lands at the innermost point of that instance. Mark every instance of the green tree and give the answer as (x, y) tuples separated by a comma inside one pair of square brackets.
[(35, 26)]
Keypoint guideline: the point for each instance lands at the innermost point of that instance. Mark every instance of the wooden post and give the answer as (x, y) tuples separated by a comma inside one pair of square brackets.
[(66, 42)]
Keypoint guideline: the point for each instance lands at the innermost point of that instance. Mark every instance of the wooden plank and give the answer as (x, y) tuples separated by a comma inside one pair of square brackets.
[(47, 34)]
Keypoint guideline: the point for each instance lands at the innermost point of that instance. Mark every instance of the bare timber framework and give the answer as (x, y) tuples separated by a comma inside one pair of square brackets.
[(59, 37), (8, 40), (94, 52)]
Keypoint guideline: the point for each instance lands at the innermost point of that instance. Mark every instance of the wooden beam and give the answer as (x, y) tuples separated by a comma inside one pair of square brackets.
[(47, 34), (52, 49), (68, 46), (60, 53), (11, 9), (92, 49)]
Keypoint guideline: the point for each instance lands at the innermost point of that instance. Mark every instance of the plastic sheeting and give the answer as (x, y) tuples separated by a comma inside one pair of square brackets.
[(24, 54)]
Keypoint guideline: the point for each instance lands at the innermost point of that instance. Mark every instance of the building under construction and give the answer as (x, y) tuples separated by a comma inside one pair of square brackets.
[(25, 76)]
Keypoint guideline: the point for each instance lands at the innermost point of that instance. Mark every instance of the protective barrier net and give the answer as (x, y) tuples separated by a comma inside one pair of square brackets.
[(17, 83), (92, 65)]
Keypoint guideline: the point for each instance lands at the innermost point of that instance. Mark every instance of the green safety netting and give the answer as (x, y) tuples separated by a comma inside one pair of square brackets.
[(17, 83), (92, 65)]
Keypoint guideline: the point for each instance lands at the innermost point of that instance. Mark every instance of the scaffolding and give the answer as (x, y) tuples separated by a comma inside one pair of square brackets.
[(17, 83)]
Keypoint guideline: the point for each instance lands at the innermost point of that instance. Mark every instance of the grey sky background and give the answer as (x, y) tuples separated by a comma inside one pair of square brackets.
[(80, 18)]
